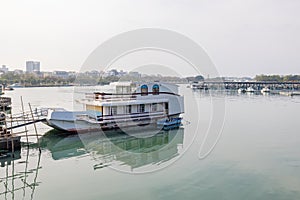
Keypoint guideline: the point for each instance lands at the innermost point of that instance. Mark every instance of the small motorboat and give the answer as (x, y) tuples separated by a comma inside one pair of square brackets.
[(265, 90), (250, 89), (168, 124), (8, 88)]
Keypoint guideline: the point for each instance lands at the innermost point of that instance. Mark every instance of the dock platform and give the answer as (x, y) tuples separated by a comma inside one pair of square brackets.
[(10, 143)]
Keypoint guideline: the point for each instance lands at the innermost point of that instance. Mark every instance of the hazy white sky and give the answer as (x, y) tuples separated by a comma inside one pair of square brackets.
[(242, 37)]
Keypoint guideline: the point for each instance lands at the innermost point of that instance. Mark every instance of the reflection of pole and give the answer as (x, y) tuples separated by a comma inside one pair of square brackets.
[(12, 138), (37, 170), (13, 179), (6, 184), (23, 113), (37, 137), (25, 174)]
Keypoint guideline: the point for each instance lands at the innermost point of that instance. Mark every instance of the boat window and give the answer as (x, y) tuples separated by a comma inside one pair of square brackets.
[(142, 108), (160, 107), (154, 107), (144, 90), (155, 89), (113, 110)]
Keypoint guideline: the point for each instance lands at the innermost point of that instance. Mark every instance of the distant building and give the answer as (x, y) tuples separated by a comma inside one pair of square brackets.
[(33, 67), (4, 69), (135, 74), (122, 73), (72, 74), (112, 72), (61, 74), (46, 74), (18, 71)]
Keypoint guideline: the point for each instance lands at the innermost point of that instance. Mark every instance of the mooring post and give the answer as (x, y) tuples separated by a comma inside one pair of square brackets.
[(23, 113)]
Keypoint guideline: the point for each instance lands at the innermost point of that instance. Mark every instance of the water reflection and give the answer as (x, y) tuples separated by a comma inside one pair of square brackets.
[(19, 174), (19, 171), (112, 148)]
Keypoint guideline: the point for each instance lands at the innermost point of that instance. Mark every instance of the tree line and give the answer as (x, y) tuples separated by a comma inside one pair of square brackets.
[(33, 79), (277, 78)]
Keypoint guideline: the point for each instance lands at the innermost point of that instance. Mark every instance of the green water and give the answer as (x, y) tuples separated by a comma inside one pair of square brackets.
[(256, 157)]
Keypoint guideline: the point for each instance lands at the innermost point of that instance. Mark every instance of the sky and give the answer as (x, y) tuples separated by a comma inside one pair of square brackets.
[(242, 38)]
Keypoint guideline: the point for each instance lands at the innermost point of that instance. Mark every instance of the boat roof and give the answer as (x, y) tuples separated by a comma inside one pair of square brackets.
[(125, 83)]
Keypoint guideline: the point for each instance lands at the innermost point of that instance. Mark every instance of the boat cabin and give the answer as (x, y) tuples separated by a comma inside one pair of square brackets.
[(135, 100)]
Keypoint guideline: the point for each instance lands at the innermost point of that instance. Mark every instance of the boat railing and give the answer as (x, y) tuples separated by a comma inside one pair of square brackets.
[(112, 97), (100, 96)]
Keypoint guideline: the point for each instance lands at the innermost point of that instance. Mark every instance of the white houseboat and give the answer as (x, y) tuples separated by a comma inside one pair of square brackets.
[(132, 105)]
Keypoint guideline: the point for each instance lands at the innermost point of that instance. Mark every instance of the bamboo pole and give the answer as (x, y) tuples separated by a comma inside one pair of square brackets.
[(37, 137), (24, 121)]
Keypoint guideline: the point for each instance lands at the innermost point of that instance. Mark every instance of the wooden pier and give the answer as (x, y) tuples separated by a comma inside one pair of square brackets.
[(10, 140)]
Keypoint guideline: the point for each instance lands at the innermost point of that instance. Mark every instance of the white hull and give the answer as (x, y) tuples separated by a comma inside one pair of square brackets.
[(84, 125)]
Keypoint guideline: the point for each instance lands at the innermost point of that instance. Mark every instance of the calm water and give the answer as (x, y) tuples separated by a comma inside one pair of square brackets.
[(257, 155)]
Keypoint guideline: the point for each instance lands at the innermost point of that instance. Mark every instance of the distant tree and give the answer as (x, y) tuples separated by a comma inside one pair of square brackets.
[(199, 78), (277, 78)]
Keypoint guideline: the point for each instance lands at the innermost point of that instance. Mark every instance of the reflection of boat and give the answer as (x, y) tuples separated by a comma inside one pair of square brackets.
[(167, 124), (133, 151), (241, 90), (62, 146), (132, 105), (250, 89)]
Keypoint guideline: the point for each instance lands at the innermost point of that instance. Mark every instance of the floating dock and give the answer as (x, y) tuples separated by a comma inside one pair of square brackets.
[(10, 143)]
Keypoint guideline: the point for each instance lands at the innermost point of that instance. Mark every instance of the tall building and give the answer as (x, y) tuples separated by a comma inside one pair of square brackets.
[(32, 66), (4, 69)]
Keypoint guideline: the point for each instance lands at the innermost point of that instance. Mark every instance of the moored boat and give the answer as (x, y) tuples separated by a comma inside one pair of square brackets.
[(250, 89), (265, 90), (132, 105), (8, 88), (241, 90), (16, 85), (199, 86)]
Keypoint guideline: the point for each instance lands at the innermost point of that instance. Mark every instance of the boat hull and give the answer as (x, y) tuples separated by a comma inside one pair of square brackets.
[(86, 126)]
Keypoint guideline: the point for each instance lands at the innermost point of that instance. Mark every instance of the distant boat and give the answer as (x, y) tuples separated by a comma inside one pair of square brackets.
[(8, 88), (199, 86), (250, 89), (265, 90), (16, 85), (241, 90), (195, 85)]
